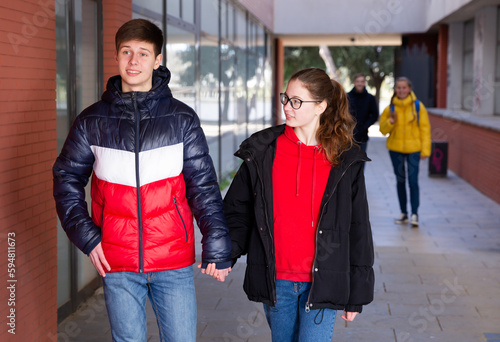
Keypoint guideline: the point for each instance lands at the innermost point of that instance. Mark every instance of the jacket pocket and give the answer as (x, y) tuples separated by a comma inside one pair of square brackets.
[(182, 220)]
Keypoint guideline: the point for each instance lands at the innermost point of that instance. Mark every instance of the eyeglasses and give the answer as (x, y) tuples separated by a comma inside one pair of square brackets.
[(295, 103)]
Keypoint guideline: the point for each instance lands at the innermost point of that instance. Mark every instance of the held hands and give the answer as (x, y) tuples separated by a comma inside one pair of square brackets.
[(349, 316), (219, 275), (100, 263), (99, 260)]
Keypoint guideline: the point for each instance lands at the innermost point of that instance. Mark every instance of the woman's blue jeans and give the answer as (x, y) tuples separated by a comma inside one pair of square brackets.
[(398, 162), (172, 296), (288, 319)]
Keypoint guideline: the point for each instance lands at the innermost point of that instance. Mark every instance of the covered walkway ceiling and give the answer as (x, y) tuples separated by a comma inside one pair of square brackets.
[(341, 40)]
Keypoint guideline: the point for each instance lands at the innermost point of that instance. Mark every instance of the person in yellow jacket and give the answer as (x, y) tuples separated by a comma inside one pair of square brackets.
[(407, 123)]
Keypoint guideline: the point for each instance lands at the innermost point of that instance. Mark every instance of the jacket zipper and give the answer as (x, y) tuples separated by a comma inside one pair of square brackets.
[(267, 223), (182, 220), (308, 306), (137, 179)]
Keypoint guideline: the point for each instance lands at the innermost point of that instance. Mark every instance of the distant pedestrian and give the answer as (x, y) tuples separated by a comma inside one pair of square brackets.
[(364, 109), (147, 156), (297, 206), (407, 123)]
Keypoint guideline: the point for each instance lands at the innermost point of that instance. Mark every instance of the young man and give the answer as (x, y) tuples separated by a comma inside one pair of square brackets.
[(364, 108), (151, 172)]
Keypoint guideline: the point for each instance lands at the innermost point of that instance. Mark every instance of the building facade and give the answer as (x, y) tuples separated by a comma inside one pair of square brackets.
[(57, 57)]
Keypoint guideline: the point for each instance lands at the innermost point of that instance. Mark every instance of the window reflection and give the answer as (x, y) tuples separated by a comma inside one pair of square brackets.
[(180, 52), (225, 76)]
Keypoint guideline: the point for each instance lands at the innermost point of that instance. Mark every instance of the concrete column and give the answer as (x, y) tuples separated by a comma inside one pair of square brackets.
[(442, 67), (455, 65), (485, 43)]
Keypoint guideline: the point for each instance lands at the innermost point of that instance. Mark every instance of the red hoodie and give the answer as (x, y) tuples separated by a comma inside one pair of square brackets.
[(300, 174)]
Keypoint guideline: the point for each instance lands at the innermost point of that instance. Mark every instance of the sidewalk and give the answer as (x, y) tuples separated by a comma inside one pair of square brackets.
[(440, 282)]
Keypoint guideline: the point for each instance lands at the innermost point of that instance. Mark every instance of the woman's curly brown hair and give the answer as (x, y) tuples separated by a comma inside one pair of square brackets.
[(336, 124)]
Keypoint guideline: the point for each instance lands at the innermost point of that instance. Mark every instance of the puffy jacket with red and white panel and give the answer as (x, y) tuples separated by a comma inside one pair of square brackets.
[(151, 171)]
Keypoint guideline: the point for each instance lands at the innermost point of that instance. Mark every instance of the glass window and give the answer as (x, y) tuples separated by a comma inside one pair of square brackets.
[(174, 8), (230, 22), (78, 86), (253, 79), (261, 41), (252, 36), (241, 30), (209, 95), (223, 19), (63, 243), (209, 17), (148, 9), (227, 108), (87, 92), (181, 57), (188, 11), (241, 94)]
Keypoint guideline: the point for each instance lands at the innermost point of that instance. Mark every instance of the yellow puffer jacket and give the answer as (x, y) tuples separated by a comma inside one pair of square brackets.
[(406, 135)]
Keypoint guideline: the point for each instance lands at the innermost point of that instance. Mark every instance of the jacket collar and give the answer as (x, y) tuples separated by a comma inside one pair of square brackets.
[(145, 100), (406, 101), (257, 144), (355, 93)]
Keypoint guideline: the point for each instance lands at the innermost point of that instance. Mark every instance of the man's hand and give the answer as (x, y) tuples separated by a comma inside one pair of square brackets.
[(99, 260), (212, 271)]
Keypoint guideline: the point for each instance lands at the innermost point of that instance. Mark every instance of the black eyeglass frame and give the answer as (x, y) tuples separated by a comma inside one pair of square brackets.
[(284, 99)]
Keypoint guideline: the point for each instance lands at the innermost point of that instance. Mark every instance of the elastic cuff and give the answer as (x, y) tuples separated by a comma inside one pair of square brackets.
[(354, 308), (218, 265)]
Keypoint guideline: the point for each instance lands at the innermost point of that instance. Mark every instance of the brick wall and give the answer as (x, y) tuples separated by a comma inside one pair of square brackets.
[(472, 153), (27, 152), (115, 14)]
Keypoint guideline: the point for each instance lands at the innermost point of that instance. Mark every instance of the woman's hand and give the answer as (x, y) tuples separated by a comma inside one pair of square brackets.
[(393, 117), (349, 316)]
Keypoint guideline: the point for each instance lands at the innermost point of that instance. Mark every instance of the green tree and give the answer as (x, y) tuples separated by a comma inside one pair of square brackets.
[(298, 58), (376, 62)]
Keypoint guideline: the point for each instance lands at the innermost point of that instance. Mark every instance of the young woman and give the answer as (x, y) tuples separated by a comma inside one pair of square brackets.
[(407, 123), (297, 207)]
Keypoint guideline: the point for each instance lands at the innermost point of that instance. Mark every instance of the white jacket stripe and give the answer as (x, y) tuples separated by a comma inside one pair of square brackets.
[(118, 166)]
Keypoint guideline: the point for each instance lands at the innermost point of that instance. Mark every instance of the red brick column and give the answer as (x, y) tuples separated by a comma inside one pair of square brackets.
[(279, 79), (28, 304), (442, 67), (115, 14)]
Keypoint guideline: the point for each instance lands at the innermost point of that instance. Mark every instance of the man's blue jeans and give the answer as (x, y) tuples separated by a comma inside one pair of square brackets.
[(288, 319), (172, 296), (398, 163)]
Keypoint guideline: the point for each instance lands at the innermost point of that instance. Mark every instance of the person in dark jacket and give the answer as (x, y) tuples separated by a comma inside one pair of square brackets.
[(297, 208), (151, 172), (364, 108)]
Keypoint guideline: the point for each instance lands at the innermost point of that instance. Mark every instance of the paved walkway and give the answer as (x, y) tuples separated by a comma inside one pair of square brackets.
[(440, 282)]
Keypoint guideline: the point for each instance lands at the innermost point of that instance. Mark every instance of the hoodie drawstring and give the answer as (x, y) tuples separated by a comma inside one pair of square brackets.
[(313, 187), (298, 170), (316, 149)]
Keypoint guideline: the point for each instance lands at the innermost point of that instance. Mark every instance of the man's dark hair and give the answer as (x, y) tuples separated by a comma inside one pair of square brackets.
[(142, 30), (359, 75)]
